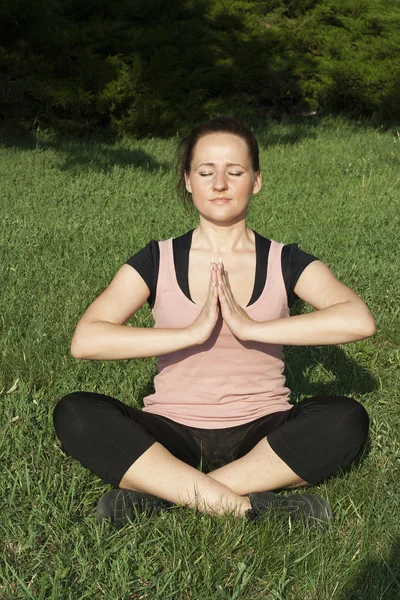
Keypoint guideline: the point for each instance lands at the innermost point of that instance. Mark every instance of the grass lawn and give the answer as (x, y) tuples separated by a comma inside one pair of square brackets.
[(72, 212)]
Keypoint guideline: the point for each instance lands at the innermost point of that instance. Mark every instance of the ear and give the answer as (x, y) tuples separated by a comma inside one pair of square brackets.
[(257, 183), (187, 183)]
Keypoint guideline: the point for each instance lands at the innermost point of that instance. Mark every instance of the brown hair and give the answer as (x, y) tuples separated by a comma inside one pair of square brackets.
[(184, 153)]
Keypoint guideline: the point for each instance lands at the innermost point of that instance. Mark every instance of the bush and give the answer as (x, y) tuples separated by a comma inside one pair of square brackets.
[(150, 67)]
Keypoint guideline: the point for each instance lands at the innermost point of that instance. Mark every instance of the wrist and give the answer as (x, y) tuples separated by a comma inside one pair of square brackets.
[(191, 338), (249, 331)]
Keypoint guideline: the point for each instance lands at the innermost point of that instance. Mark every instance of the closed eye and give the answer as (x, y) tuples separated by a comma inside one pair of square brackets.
[(234, 174)]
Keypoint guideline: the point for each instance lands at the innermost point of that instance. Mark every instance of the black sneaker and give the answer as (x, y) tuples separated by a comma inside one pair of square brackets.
[(120, 505), (298, 506)]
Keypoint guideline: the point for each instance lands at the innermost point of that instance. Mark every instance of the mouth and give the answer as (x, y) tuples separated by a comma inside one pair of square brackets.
[(220, 200)]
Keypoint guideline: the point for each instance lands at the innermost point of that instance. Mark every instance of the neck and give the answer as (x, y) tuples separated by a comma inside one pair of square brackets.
[(223, 240)]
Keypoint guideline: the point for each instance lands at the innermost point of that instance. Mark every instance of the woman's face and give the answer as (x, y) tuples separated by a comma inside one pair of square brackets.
[(221, 168)]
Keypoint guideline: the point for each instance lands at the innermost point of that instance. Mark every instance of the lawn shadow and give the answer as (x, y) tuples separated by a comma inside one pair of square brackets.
[(296, 130), (346, 376), (378, 579), (145, 390), (90, 152), (102, 151), (105, 159)]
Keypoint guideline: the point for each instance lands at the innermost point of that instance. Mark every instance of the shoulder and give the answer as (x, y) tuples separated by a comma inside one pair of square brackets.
[(146, 262), (292, 254), (294, 262), (147, 254)]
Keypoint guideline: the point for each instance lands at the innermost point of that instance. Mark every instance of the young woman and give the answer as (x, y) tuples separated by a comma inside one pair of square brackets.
[(219, 433)]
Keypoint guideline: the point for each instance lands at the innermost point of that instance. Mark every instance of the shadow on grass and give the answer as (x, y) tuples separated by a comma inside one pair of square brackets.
[(297, 129), (378, 579), (92, 152), (100, 151), (347, 377)]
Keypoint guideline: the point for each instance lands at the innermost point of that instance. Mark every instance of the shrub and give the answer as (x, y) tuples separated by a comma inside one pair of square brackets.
[(150, 67)]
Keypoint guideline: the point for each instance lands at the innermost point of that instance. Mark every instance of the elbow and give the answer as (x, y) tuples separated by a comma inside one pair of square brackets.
[(371, 330), (362, 322), (85, 342), (367, 327), (77, 351)]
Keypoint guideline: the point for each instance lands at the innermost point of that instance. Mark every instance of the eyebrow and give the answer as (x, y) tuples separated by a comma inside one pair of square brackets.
[(210, 164)]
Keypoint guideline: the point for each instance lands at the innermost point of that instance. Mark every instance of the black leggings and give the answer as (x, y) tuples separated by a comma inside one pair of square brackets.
[(315, 437)]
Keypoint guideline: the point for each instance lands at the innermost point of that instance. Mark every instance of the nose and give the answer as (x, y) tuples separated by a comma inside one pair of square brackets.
[(220, 181)]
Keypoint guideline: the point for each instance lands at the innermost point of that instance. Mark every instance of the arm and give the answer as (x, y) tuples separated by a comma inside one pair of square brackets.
[(101, 333), (340, 317)]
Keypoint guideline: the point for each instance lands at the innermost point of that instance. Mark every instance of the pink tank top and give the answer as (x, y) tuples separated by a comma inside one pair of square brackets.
[(224, 382)]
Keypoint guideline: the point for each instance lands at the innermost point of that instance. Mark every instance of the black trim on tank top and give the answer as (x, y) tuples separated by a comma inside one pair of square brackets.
[(182, 245), (147, 261)]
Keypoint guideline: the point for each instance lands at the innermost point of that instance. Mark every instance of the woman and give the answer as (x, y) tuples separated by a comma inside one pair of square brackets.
[(220, 296)]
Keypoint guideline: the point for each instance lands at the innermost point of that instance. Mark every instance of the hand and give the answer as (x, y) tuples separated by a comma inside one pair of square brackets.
[(234, 315), (203, 326)]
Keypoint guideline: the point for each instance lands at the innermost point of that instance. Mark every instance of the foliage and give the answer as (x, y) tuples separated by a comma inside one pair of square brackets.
[(154, 67)]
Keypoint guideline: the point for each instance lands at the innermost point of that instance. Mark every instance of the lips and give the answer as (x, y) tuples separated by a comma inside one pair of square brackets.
[(220, 200)]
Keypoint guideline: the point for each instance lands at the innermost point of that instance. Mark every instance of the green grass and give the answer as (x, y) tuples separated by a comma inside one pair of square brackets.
[(72, 212)]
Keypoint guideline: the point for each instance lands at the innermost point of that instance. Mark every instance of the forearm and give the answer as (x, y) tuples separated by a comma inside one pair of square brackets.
[(337, 324), (101, 340)]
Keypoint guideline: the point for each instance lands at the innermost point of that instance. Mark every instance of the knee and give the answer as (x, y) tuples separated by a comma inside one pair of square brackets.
[(67, 417), (351, 417)]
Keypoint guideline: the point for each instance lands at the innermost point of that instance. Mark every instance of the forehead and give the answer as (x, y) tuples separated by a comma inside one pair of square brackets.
[(220, 147)]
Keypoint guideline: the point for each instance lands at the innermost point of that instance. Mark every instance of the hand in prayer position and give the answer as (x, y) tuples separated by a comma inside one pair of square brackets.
[(233, 314)]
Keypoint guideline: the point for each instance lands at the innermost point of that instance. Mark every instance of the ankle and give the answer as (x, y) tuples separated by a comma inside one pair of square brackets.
[(243, 506), (238, 506)]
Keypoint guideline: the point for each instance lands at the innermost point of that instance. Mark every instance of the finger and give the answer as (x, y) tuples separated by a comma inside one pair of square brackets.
[(226, 306), (220, 278), (224, 285), (222, 292), (214, 282), (213, 291), (210, 287), (227, 284), (213, 272), (229, 298)]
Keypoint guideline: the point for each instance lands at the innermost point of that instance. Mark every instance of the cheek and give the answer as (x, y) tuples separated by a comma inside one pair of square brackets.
[(201, 184), (244, 185)]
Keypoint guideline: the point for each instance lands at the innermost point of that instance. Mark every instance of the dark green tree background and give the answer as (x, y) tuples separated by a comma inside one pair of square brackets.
[(156, 66)]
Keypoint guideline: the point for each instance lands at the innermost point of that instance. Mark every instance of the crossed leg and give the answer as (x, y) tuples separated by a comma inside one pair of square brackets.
[(161, 474), (259, 470)]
